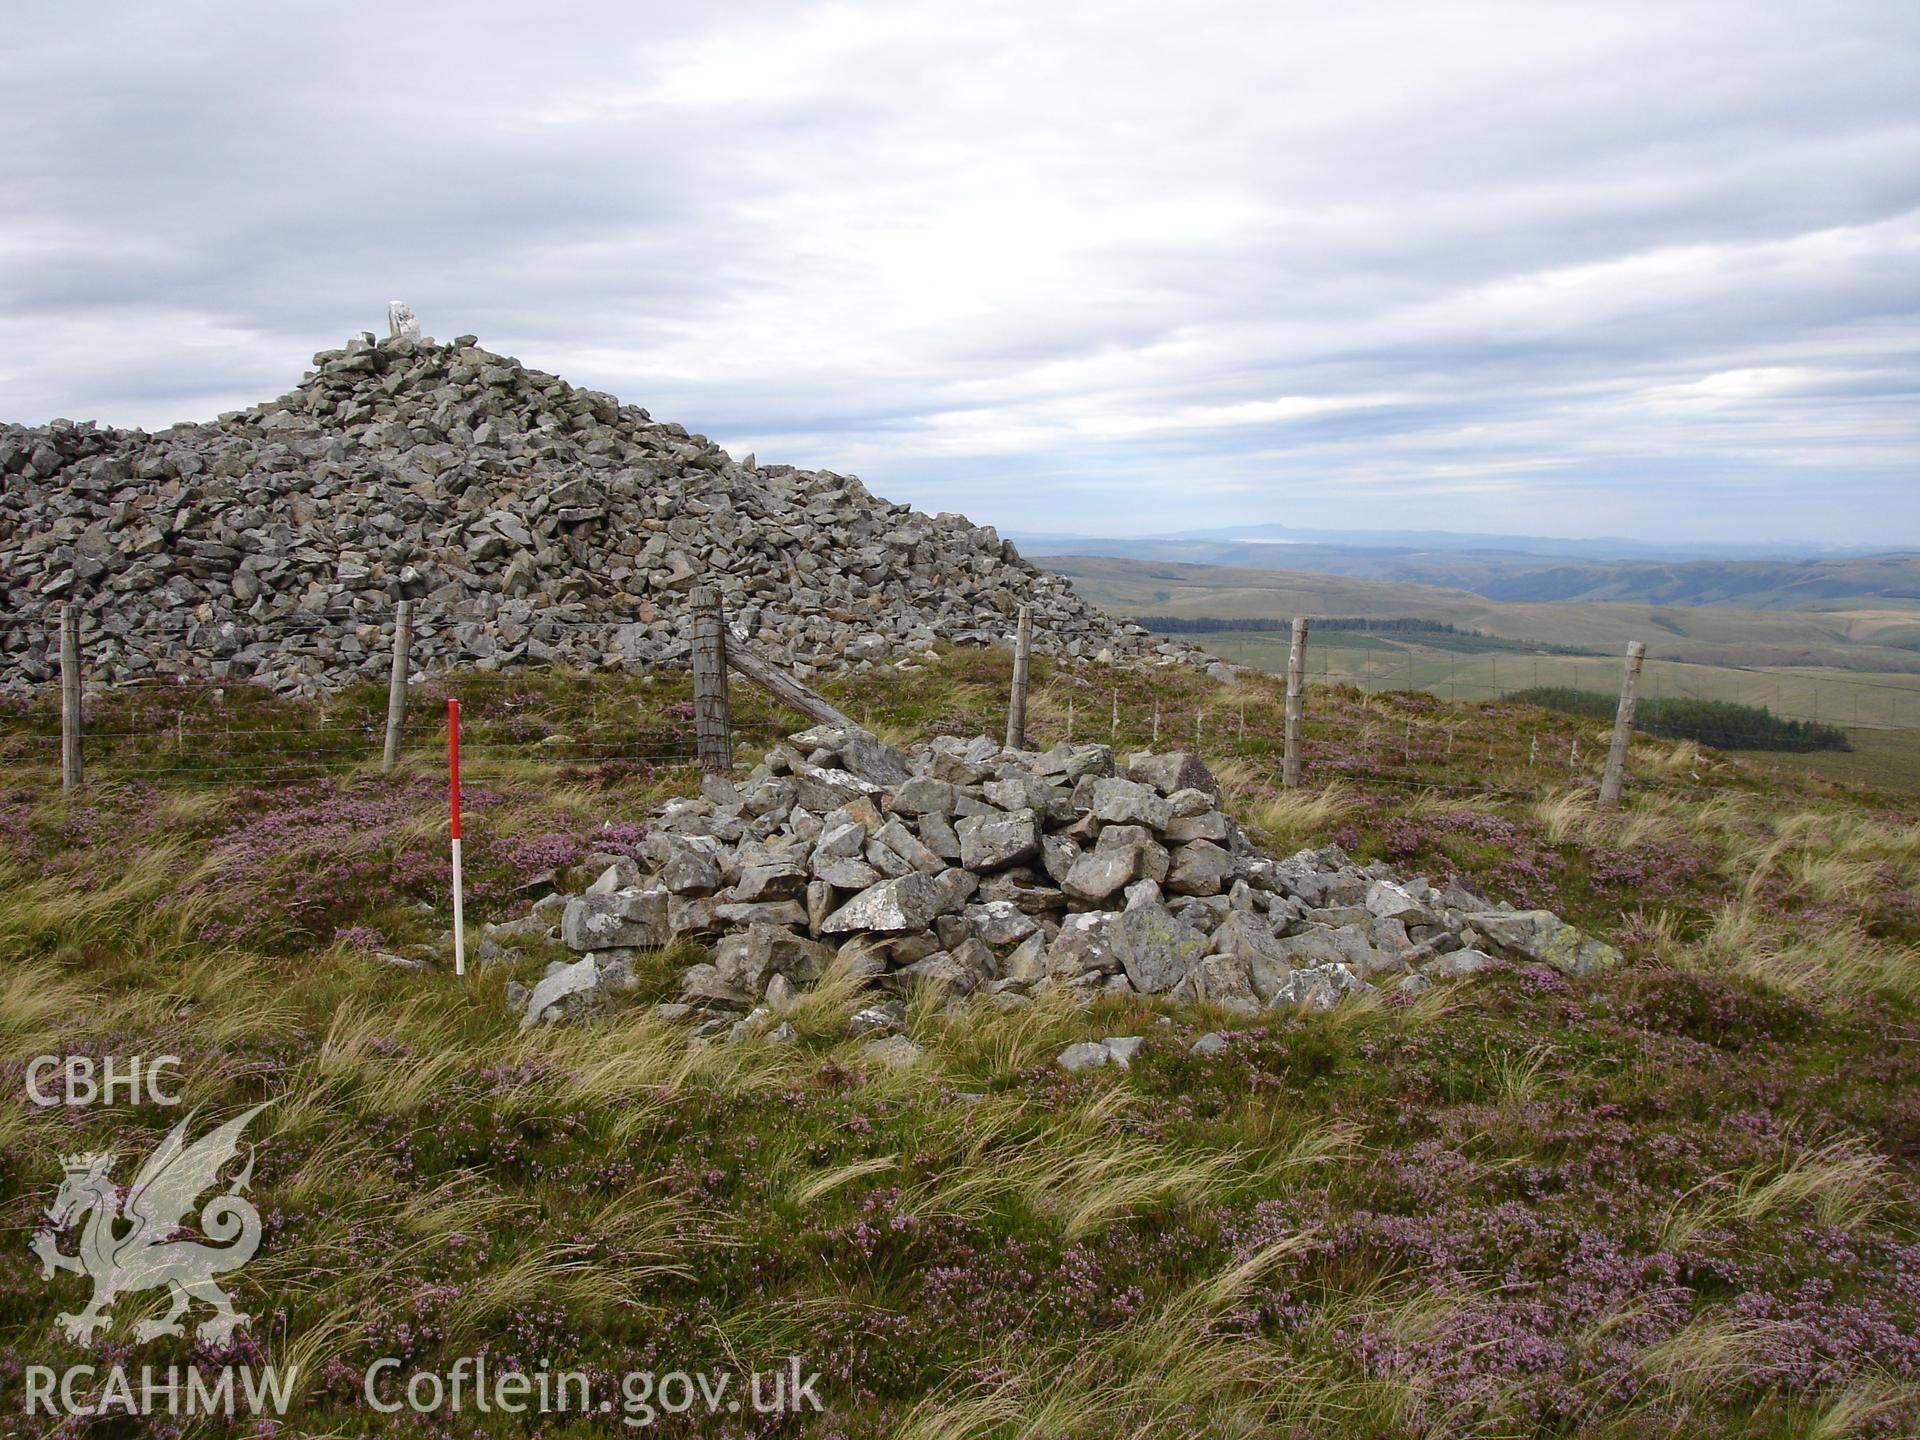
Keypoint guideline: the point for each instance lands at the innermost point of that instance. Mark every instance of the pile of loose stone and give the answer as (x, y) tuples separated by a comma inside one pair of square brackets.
[(533, 522), (973, 869)]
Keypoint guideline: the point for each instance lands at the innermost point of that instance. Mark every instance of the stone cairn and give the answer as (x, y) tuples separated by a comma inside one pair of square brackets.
[(534, 523), (964, 866)]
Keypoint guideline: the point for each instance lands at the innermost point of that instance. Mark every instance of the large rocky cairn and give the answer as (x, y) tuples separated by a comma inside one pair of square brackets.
[(977, 870), (533, 522)]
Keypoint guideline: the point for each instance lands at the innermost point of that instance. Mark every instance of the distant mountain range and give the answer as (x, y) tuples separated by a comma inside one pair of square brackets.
[(1527, 568)]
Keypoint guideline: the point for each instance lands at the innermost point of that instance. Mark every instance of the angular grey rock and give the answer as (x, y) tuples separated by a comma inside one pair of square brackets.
[(1318, 988), (1543, 937), (938, 835), (1223, 980), (1026, 964), (1268, 961), (690, 868), (1155, 948), (691, 915), (746, 959), (904, 843), (895, 1052), (872, 759), (1000, 922), (1211, 1043), (631, 919), (821, 790), (1208, 825), (620, 874), (1199, 868), (1085, 944), (1097, 874), (778, 880), (1123, 1048), (846, 874), (1127, 802), (1390, 901), (1083, 1055), (701, 984), (924, 795), (889, 1018), (844, 841), (909, 903), (993, 842), (565, 990), (1458, 963), (1172, 770)]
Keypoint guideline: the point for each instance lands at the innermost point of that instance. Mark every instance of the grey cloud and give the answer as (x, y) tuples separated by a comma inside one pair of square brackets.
[(1521, 267)]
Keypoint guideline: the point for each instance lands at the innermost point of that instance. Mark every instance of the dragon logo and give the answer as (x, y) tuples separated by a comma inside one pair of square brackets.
[(149, 1255)]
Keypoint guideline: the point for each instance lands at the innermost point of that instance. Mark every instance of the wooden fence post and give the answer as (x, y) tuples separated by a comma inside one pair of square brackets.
[(713, 737), (1616, 774), (1296, 703), (1022, 663), (397, 683), (71, 764), (783, 687)]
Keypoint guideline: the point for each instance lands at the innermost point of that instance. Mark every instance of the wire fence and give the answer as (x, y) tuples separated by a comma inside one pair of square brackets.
[(230, 733), (1858, 728)]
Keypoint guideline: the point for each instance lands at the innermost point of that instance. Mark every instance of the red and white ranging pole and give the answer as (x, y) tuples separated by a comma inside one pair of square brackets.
[(453, 772)]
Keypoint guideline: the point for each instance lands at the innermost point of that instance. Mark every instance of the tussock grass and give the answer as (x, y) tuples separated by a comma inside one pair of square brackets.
[(1840, 1181), (983, 1043), (144, 914), (1573, 814), (719, 1181), (38, 1000), (1081, 1169), (1709, 1354), (1294, 818), (1174, 1370), (1832, 962), (1518, 1078), (547, 1272)]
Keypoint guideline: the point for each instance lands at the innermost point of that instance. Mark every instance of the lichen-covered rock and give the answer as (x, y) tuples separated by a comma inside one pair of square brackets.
[(1223, 980), (994, 842), (1171, 771), (748, 959), (1155, 948), (1543, 937), (1318, 987), (909, 903), (1199, 868), (629, 919), (1127, 802)]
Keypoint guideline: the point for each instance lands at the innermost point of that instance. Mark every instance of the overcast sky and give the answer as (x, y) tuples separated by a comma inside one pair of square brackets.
[(1650, 270)]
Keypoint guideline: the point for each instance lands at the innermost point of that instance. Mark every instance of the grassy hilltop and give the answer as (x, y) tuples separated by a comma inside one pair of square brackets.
[(1678, 1200)]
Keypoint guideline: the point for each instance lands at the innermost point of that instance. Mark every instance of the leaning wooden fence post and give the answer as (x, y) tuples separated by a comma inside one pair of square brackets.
[(71, 765), (713, 735), (1296, 703), (1611, 782), (397, 683), (1022, 663)]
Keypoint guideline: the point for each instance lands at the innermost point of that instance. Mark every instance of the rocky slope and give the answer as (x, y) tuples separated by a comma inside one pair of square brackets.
[(534, 522), (967, 867)]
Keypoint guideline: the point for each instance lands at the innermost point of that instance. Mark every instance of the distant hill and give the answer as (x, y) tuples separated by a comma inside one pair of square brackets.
[(1528, 569), (1876, 635)]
